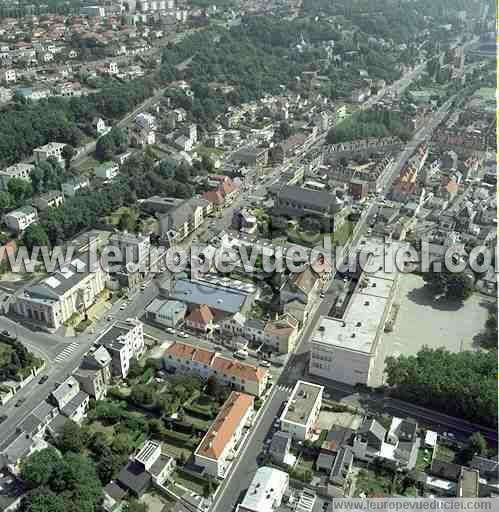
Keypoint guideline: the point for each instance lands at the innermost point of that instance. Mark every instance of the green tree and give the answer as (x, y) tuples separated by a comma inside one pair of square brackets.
[(5, 200), (68, 152), (72, 438), (476, 445), (284, 131), (43, 499), (128, 221), (38, 469), (19, 189), (35, 236)]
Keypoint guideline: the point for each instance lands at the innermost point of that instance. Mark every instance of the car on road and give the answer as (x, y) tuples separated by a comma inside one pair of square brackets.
[(3, 418), (169, 330), (109, 318), (265, 364), (323, 295), (183, 334), (123, 307), (43, 379), (20, 402)]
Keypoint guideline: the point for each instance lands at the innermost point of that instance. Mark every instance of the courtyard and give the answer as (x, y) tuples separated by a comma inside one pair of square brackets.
[(423, 321)]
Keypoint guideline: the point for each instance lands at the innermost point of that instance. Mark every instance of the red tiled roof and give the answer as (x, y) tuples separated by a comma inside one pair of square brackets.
[(201, 315), (225, 425)]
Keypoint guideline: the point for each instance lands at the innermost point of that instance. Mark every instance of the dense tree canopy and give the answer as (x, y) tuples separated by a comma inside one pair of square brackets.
[(462, 384), (25, 126)]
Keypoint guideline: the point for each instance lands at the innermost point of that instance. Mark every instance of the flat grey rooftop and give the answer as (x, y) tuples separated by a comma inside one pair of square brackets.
[(301, 402)]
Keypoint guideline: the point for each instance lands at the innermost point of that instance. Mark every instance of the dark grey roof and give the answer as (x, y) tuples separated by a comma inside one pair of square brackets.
[(74, 403), (113, 490), (445, 470), (44, 411), (11, 489), (57, 424), (30, 425), (280, 445), (407, 430), (135, 478), (341, 466), (180, 214), (489, 468), (325, 461), (311, 198), (374, 427), (336, 438), (18, 447), (217, 297)]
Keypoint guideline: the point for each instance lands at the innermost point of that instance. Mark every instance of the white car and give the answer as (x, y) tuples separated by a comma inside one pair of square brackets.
[(183, 334), (170, 330), (265, 364), (123, 307)]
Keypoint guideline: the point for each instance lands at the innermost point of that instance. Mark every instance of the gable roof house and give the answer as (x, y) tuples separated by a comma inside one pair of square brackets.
[(205, 363), (219, 446), (71, 400), (299, 292)]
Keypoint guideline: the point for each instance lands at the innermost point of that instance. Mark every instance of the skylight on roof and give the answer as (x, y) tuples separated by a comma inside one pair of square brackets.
[(52, 282)]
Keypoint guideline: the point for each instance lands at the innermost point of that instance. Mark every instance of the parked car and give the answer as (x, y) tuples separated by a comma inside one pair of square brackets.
[(183, 334), (265, 364), (241, 354), (20, 402), (3, 418), (43, 379)]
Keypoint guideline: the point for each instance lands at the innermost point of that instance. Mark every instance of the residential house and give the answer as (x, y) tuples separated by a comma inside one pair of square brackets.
[(35, 424), (54, 299), (124, 341), (244, 221), (18, 220), (200, 319), (148, 466), (182, 220), (168, 313), (302, 411), (280, 449), (50, 150), (107, 170), (71, 401), (50, 199), (300, 291), (205, 363), (17, 448), (21, 171), (340, 472), (223, 194), (8, 76), (336, 438), (72, 187), (99, 126), (281, 334), (399, 446), (219, 446), (94, 373)]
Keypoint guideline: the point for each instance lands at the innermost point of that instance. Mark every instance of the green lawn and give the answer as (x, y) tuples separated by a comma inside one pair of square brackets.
[(424, 460), (175, 451), (369, 483), (445, 453), (188, 481)]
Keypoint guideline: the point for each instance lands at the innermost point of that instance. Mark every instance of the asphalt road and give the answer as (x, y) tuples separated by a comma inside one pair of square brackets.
[(233, 487), (61, 354)]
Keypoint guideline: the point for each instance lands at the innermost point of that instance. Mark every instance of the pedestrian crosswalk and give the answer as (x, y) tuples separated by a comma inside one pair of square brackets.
[(67, 352), (285, 387)]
